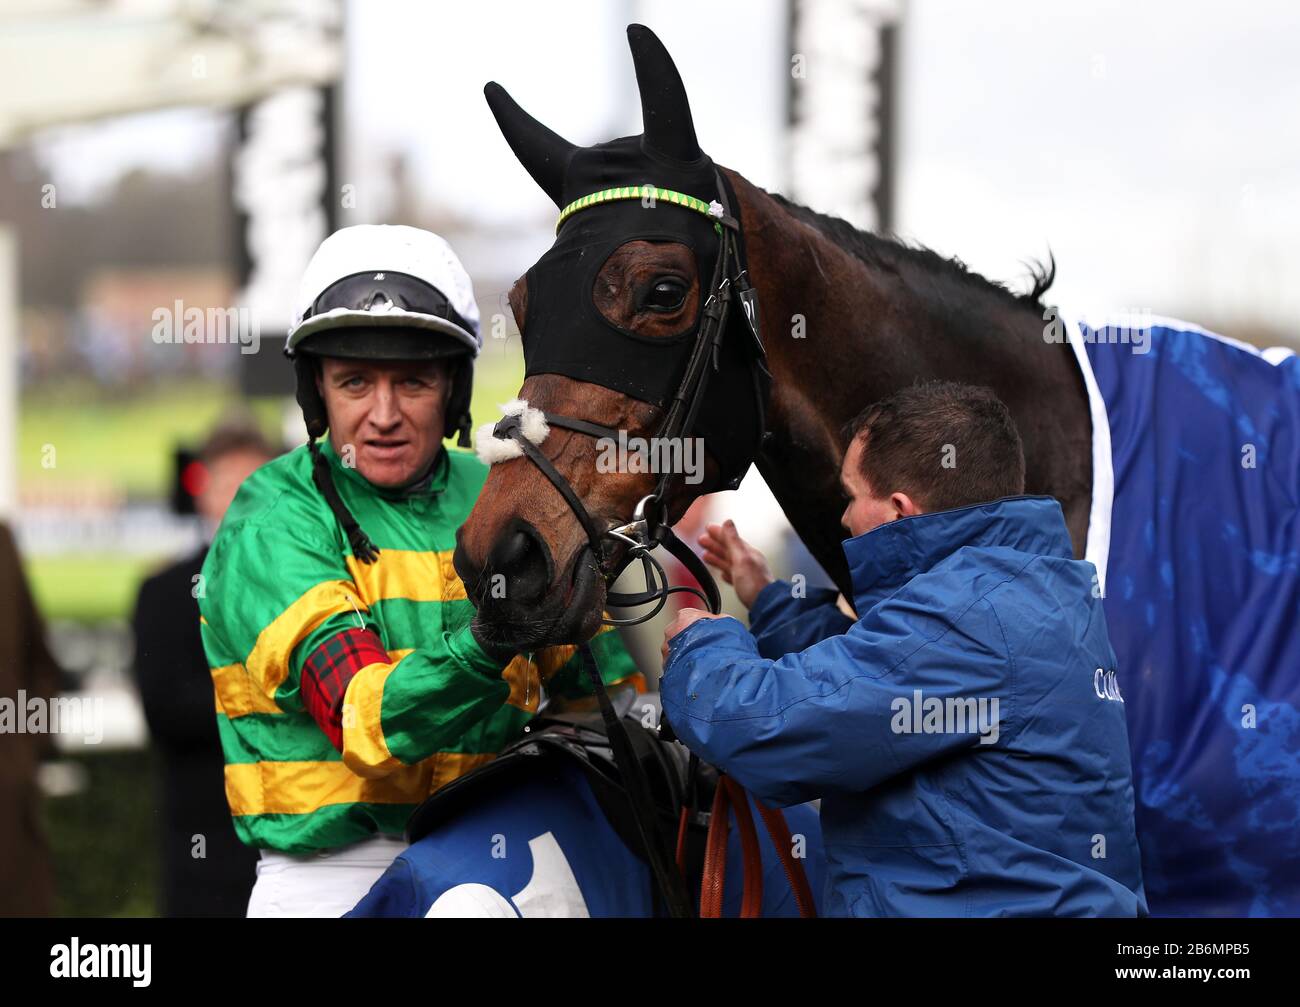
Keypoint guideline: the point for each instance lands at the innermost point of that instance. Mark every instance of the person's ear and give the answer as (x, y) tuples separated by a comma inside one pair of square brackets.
[(904, 504)]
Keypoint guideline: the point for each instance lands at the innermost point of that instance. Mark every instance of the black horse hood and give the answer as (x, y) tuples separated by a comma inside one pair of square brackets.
[(656, 186)]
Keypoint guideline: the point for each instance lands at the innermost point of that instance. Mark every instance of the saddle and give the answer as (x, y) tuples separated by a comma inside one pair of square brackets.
[(679, 784)]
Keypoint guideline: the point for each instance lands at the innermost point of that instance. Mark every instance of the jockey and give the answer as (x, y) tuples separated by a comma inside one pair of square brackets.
[(350, 682), (965, 730)]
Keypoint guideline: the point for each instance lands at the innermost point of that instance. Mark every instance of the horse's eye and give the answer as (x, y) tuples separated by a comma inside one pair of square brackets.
[(666, 295)]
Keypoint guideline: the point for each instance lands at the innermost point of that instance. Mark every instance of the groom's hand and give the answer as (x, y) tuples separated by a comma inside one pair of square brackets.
[(740, 564), (686, 617)]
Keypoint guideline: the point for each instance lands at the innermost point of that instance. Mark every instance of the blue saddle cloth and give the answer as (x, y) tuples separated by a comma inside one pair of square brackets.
[(545, 848)]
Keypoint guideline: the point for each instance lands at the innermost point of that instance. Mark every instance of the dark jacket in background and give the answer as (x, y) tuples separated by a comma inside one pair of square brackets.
[(176, 688), (26, 872)]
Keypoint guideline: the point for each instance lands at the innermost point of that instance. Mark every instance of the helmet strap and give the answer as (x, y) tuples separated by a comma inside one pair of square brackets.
[(362, 548)]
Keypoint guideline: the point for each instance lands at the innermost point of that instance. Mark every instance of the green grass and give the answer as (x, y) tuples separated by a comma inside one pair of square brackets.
[(88, 588), (73, 436)]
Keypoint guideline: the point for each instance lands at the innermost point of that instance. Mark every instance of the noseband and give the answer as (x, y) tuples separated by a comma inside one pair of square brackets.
[(648, 527)]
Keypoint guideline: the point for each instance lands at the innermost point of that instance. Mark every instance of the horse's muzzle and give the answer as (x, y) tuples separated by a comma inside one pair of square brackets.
[(520, 603)]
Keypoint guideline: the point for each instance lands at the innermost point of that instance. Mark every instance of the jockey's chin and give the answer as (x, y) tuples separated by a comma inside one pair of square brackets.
[(393, 462)]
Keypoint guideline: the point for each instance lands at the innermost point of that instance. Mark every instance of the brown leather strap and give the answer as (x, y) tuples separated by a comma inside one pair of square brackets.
[(779, 830), (751, 897), (713, 880), (714, 876)]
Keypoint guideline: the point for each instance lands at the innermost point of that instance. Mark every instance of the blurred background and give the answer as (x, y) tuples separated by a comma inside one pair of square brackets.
[(163, 156)]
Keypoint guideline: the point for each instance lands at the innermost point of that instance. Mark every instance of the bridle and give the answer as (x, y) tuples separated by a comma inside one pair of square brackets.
[(648, 527), (647, 530)]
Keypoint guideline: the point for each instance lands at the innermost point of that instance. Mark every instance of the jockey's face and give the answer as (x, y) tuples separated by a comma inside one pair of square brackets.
[(866, 510), (387, 416)]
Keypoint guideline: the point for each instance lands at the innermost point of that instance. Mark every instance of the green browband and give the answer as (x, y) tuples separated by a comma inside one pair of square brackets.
[(711, 210)]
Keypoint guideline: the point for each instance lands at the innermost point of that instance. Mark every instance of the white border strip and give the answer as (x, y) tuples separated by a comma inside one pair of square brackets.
[(1097, 549)]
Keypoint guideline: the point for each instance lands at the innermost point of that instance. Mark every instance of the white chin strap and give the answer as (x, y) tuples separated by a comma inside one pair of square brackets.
[(532, 424)]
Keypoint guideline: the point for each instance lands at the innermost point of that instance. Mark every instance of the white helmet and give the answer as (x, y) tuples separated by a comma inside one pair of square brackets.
[(385, 292), (378, 291)]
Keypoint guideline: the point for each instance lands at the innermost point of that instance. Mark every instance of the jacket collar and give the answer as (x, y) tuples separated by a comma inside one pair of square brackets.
[(885, 558), (433, 482)]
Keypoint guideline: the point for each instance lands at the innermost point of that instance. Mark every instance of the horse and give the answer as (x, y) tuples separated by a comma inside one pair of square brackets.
[(819, 319)]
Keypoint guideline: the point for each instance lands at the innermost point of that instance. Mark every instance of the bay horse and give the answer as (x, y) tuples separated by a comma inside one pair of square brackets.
[(848, 317)]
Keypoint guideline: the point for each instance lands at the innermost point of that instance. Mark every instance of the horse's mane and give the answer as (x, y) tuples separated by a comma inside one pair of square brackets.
[(890, 253)]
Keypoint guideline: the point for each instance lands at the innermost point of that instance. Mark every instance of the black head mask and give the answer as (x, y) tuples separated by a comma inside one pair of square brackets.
[(658, 186)]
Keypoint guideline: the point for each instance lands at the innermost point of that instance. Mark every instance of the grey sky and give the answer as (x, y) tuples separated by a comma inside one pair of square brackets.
[(1153, 146)]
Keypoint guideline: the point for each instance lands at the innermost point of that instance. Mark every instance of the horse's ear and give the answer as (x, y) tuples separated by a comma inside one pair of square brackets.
[(543, 152), (665, 112)]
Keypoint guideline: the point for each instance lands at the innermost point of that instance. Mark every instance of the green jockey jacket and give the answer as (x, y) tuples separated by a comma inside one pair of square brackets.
[(348, 692)]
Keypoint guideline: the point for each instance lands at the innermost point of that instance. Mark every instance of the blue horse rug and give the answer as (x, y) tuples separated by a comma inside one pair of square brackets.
[(1195, 534)]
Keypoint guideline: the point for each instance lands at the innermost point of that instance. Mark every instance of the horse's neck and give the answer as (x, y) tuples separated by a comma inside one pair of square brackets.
[(842, 333)]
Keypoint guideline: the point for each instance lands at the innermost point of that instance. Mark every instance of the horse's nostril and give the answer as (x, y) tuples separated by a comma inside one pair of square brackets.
[(517, 569), (512, 550)]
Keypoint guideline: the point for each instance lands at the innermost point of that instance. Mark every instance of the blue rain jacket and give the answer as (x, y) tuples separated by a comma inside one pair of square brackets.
[(966, 734)]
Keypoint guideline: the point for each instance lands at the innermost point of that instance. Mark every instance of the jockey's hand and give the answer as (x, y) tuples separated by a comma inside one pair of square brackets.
[(686, 617), (741, 565)]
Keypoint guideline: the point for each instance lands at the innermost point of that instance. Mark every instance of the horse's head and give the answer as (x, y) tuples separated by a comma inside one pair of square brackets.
[(617, 320)]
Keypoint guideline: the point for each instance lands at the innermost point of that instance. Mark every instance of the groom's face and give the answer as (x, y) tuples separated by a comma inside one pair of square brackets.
[(866, 509)]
